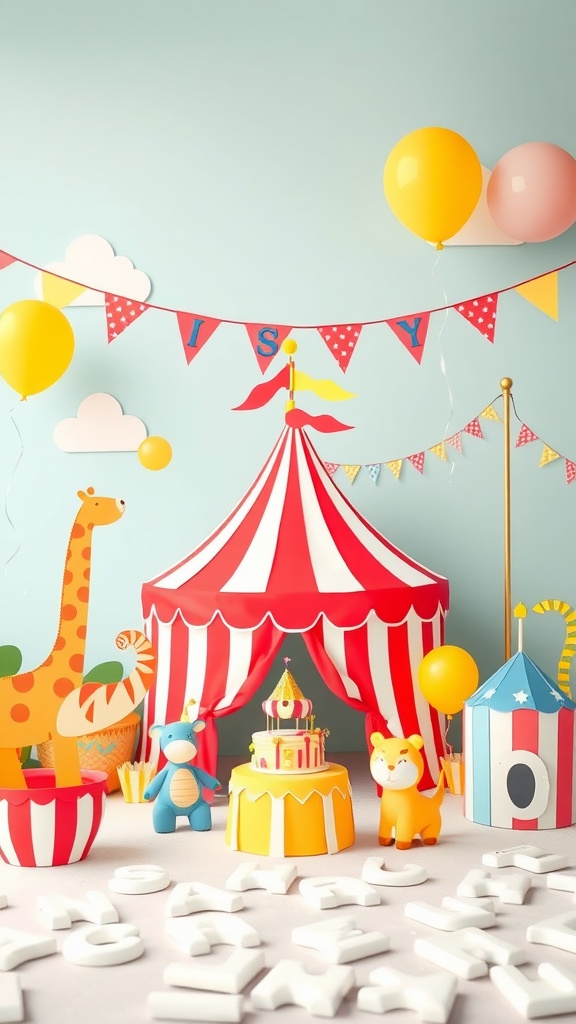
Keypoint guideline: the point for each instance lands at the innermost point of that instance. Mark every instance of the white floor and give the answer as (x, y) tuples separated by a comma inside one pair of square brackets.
[(57, 991)]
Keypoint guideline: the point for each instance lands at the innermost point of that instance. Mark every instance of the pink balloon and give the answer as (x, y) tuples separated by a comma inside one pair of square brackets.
[(531, 194)]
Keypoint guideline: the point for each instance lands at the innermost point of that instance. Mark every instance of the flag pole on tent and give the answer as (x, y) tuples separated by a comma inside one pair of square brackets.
[(506, 385)]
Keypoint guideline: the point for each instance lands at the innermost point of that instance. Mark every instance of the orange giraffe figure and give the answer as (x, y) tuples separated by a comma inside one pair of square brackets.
[(50, 702)]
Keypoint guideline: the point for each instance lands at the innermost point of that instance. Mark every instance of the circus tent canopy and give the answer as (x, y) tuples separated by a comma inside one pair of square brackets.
[(295, 556)]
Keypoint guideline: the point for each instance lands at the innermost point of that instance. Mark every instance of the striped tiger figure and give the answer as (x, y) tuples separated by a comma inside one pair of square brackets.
[(569, 650), (95, 706)]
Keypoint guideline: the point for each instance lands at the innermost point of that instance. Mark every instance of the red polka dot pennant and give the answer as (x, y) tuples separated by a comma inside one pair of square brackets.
[(120, 313), (341, 341), (481, 313)]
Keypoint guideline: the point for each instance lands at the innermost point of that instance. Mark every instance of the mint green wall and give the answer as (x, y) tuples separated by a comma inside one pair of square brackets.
[(234, 151)]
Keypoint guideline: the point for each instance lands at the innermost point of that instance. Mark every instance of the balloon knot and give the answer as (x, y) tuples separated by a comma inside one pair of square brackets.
[(439, 245)]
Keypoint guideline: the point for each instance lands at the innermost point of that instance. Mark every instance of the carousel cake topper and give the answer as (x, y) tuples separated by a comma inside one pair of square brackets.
[(284, 750)]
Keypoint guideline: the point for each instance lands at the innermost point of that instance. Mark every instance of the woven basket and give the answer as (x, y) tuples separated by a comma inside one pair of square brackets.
[(102, 751)]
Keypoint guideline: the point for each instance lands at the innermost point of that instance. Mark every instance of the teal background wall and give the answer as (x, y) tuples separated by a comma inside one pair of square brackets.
[(234, 151)]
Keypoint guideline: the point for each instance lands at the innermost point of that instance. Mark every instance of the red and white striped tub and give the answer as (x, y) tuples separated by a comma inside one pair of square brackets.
[(46, 825)]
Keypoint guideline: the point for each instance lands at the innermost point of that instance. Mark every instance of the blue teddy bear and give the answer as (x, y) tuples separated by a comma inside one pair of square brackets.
[(178, 787)]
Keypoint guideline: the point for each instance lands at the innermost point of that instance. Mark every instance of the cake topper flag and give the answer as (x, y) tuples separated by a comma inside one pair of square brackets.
[(51, 701), (292, 380)]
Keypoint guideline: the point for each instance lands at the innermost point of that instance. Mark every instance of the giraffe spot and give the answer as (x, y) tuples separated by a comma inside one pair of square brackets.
[(60, 643), (68, 576), (69, 611), (76, 662), (24, 682), (81, 632), (20, 713), (49, 660), (62, 687), (86, 574), (86, 553), (83, 594), (90, 526), (78, 530)]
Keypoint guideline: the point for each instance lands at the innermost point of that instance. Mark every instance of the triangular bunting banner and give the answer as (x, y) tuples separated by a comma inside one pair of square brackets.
[(395, 466), (455, 441), (548, 455), (417, 461), (266, 340), (489, 413), (412, 331), (351, 472), (6, 260), (542, 293), (331, 467), (374, 470), (341, 340), (439, 450), (570, 471), (474, 428), (195, 331), (58, 291), (526, 436), (120, 313), (481, 313)]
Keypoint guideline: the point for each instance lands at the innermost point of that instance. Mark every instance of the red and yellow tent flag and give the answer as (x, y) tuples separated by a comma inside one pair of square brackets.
[(263, 393), (326, 389)]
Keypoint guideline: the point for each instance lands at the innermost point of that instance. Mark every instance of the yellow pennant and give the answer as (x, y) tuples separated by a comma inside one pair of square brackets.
[(58, 292), (327, 389), (439, 450), (351, 472), (542, 293), (489, 413), (395, 466), (548, 455)]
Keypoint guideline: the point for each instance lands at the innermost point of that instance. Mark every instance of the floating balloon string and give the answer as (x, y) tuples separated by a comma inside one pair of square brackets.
[(442, 359), (9, 487)]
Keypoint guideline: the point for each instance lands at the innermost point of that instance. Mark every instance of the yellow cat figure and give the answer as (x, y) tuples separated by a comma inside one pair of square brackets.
[(396, 764)]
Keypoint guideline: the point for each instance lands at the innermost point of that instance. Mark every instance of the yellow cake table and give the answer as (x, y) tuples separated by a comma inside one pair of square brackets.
[(290, 815)]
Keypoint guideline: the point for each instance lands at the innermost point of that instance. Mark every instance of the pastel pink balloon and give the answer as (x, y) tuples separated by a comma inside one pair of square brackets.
[(531, 194)]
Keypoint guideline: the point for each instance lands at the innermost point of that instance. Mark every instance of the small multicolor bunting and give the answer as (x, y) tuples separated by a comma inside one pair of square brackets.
[(341, 341), (331, 467), (489, 413), (474, 428), (412, 331), (351, 472), (417, 461), (120, 313), (439, 450), (395, 467), (455, 441), (374, 470), (526, 436), (570, 471), (481, 313), (548, 455)]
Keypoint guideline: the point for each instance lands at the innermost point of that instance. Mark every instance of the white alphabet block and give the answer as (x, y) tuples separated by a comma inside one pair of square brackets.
[(452, 915), (193, 897), (529, 858), (60, 911), (197, 934), (276, 879), (555, 993), (11, 1001), (3, 901), (566, 883), (103, 945), (327, 892), (17, 947), (468, 951), (203, 1006), (289, 982), (508, 888), (375, 873), (559, 931), (231, 975), (138, 879), (339, 940), (431, 996)]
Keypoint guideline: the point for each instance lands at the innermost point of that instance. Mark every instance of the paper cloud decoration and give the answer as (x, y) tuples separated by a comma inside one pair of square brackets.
[(480, 229), (100, 426), (90, 259)]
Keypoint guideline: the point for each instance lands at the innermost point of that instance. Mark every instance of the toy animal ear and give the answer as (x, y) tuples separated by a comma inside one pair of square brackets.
[(376, 739), (82, 495), (155, 730), (416, 741), (198, 725)]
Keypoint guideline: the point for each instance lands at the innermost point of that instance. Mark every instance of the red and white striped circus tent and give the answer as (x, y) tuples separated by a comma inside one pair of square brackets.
[(294, 556)]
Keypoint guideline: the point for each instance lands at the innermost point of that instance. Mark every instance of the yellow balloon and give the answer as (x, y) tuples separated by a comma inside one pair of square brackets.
[(36, 345), (433, 181), (154, 453), (447, 677)]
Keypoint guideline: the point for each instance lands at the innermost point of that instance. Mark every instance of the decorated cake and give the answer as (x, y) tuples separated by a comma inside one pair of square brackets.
[(290, 751)]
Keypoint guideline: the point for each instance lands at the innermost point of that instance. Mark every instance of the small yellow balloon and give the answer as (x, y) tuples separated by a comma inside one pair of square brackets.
[(36, 346), (154, 453), (433, 181), (447, 677)]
